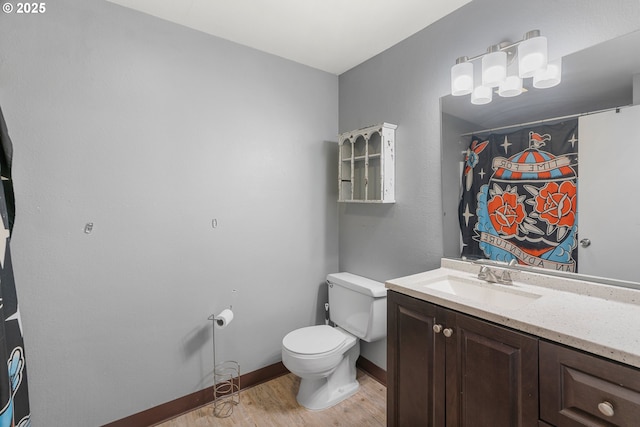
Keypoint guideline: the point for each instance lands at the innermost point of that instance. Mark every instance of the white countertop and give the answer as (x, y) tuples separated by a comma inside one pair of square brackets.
[(597, 318)]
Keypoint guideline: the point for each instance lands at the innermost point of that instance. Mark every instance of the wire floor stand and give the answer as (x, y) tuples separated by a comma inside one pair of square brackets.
[(226, 382)]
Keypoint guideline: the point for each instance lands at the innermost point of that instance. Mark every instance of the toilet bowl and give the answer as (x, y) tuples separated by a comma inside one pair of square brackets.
[(324, 357), (325, 360)]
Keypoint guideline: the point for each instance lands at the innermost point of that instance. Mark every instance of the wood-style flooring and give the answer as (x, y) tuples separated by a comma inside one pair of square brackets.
[(274, 404)]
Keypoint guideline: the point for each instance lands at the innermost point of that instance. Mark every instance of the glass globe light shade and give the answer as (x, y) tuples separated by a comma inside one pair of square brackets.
[(549, 76), (511, 86), (462, 79), (481, 95), (494, 68), (532, 56)]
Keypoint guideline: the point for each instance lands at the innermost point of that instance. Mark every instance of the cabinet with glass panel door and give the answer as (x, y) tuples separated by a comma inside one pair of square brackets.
[(367, 165)]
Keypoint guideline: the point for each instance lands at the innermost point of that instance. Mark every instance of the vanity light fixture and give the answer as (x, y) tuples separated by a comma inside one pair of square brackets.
[(462, 77), (549, 76), (510, 86), (501, 70), (532, 54), (494, 66), (481, 95), (512, 83)]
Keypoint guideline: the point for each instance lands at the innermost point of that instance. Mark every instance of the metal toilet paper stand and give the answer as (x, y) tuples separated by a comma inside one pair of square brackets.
[(226, 382)]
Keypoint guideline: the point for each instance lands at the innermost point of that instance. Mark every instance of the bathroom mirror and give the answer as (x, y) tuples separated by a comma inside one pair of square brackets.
[(598, 78)]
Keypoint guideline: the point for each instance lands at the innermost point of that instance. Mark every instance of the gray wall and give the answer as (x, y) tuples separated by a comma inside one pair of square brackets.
[(403, 86), (150, 130)]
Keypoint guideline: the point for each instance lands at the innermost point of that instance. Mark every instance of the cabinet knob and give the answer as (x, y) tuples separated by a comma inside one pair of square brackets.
[(447, 332), (606, 409), (585, 243), (437, 328)]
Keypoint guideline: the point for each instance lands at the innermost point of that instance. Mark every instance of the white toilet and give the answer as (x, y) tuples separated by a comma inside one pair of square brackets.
[(324, 357)]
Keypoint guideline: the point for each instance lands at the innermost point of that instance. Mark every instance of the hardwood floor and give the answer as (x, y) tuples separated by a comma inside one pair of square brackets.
[(274, 404)]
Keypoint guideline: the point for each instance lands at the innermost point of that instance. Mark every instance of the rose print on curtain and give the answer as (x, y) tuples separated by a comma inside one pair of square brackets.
[(556, 204), (506, 212), (520, 201), (14, 395)]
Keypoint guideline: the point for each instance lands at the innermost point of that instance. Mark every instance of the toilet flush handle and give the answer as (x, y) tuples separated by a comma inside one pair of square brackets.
[(326, 313)]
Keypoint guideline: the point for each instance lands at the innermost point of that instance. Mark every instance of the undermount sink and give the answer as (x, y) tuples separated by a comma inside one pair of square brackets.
[(499, 296)]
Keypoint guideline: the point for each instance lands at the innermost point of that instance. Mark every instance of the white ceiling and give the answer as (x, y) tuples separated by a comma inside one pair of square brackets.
[(331, 35)]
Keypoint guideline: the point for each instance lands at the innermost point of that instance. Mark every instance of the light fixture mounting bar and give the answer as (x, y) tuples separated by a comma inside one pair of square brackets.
[(502, 46)]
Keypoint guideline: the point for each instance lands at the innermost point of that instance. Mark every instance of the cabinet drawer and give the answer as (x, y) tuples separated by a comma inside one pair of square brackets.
[(577, 389)]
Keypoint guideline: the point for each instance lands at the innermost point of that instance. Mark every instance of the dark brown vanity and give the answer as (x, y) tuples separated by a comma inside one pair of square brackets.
[(446, 367)]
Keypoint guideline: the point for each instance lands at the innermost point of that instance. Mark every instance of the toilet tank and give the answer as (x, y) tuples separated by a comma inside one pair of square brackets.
[(358, 305)]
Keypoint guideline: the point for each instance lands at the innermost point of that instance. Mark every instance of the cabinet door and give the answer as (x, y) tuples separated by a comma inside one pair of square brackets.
[(496, 375), (578, 389), (415, 364)]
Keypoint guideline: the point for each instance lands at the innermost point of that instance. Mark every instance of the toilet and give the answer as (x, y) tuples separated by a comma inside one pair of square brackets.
[(324, 357)]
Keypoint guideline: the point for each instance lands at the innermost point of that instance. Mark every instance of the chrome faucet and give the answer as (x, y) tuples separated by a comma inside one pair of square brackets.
[(495, 275)]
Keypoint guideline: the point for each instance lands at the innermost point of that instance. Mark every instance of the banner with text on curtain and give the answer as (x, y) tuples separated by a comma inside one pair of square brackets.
[(519, 197)]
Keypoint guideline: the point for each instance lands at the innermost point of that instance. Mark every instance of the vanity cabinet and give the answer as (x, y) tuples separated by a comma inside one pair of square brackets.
[(366, 165), (449, 369), (578, 389), (445, 368)]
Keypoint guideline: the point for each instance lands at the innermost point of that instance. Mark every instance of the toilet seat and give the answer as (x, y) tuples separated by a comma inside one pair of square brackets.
[(314, 340)]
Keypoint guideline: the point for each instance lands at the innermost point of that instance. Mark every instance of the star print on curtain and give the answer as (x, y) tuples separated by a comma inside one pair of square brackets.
[(14, 394), (519, 197)]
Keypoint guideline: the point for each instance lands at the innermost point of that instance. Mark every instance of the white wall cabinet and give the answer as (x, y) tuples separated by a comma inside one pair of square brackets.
[(366, 169)]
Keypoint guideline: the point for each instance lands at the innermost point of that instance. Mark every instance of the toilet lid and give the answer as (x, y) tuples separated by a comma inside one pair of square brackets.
[(313, 339)]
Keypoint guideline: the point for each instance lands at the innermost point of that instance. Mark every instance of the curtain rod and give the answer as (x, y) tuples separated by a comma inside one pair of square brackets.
[(539, 122)]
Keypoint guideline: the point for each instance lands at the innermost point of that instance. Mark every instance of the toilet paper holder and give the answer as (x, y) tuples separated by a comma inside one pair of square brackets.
[(226, 377)]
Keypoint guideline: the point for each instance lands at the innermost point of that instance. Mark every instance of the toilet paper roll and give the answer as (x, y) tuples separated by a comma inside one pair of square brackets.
[(224, 318)]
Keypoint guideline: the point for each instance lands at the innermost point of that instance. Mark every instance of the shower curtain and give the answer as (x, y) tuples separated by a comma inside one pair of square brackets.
[(519, 197), (14, 395)]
